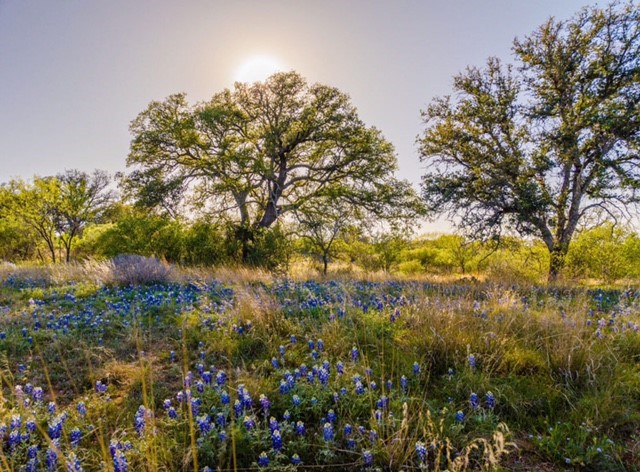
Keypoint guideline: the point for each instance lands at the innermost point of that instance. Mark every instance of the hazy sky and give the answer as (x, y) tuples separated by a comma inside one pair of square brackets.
[(73, 74)]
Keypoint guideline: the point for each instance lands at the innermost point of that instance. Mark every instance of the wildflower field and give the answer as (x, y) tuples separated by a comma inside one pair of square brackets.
[(273, 374)]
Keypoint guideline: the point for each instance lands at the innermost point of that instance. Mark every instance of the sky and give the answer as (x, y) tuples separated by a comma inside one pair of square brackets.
[(74, 73)]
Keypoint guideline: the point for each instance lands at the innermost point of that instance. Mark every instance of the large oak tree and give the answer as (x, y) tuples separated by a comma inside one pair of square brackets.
[(261, 151), (539, 146)]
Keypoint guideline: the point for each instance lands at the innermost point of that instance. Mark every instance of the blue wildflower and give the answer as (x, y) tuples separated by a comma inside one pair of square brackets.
[(327, 432), (421, 451), (263, 459)]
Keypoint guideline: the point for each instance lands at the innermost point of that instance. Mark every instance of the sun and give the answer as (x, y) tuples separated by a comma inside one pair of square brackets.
[(257, 68)]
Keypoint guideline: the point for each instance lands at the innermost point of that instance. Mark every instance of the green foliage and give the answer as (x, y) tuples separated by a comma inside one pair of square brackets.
[(606, 253), (269, 248), (205, 244), (138, 232)]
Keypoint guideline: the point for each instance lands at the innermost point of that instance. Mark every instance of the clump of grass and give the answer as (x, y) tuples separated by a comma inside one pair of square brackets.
[(130, 269)]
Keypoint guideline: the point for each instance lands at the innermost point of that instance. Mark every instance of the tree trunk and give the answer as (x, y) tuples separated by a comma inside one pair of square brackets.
[(558, 255), (325, 264), (245, 235)]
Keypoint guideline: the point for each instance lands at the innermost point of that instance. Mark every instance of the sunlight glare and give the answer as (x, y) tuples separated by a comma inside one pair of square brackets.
[(257, 68)]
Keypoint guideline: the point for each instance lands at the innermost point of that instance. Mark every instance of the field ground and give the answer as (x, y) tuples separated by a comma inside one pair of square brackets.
[(244, 371)]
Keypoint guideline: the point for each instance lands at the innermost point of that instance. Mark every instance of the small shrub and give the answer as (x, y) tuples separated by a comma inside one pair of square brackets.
[(130, 269)]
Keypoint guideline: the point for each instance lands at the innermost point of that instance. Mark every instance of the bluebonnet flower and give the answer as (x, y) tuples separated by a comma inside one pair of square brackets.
[(204, 424), (373, 435), (75, 436), (296, 400), (490, 400), (284, 387), (273, 424), (221, 378), (293, 339), (404, 383), (207, 377), (313, 401), (276, 440), (82, 409), (172, 356), (295, 459), (373, 385), (281, 350), (249, 423), (31, 425), (383, 402), (51, 459), (224, 397), (300, 429), (264, 401), (188, 379), (275, 363), (323, 376), (140, 420), (474, 401), (459, 416), (120, 463), (173, 414), (359, 388), (327, 432), (471, 360), (247, 401), (348, 429), (237, 408), (421, 451), (32, 451), (263, 459), (331, 416), (195, 406), (51, 408), (378, 415), (55, 428), (340, 367), (286, 415), (367, 458), (221, 419), (320, 345), (14, 439), (38, 394), (200, 386), (355, 354), (416, 368), (100, 387), (73, 463), (351, 443)]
